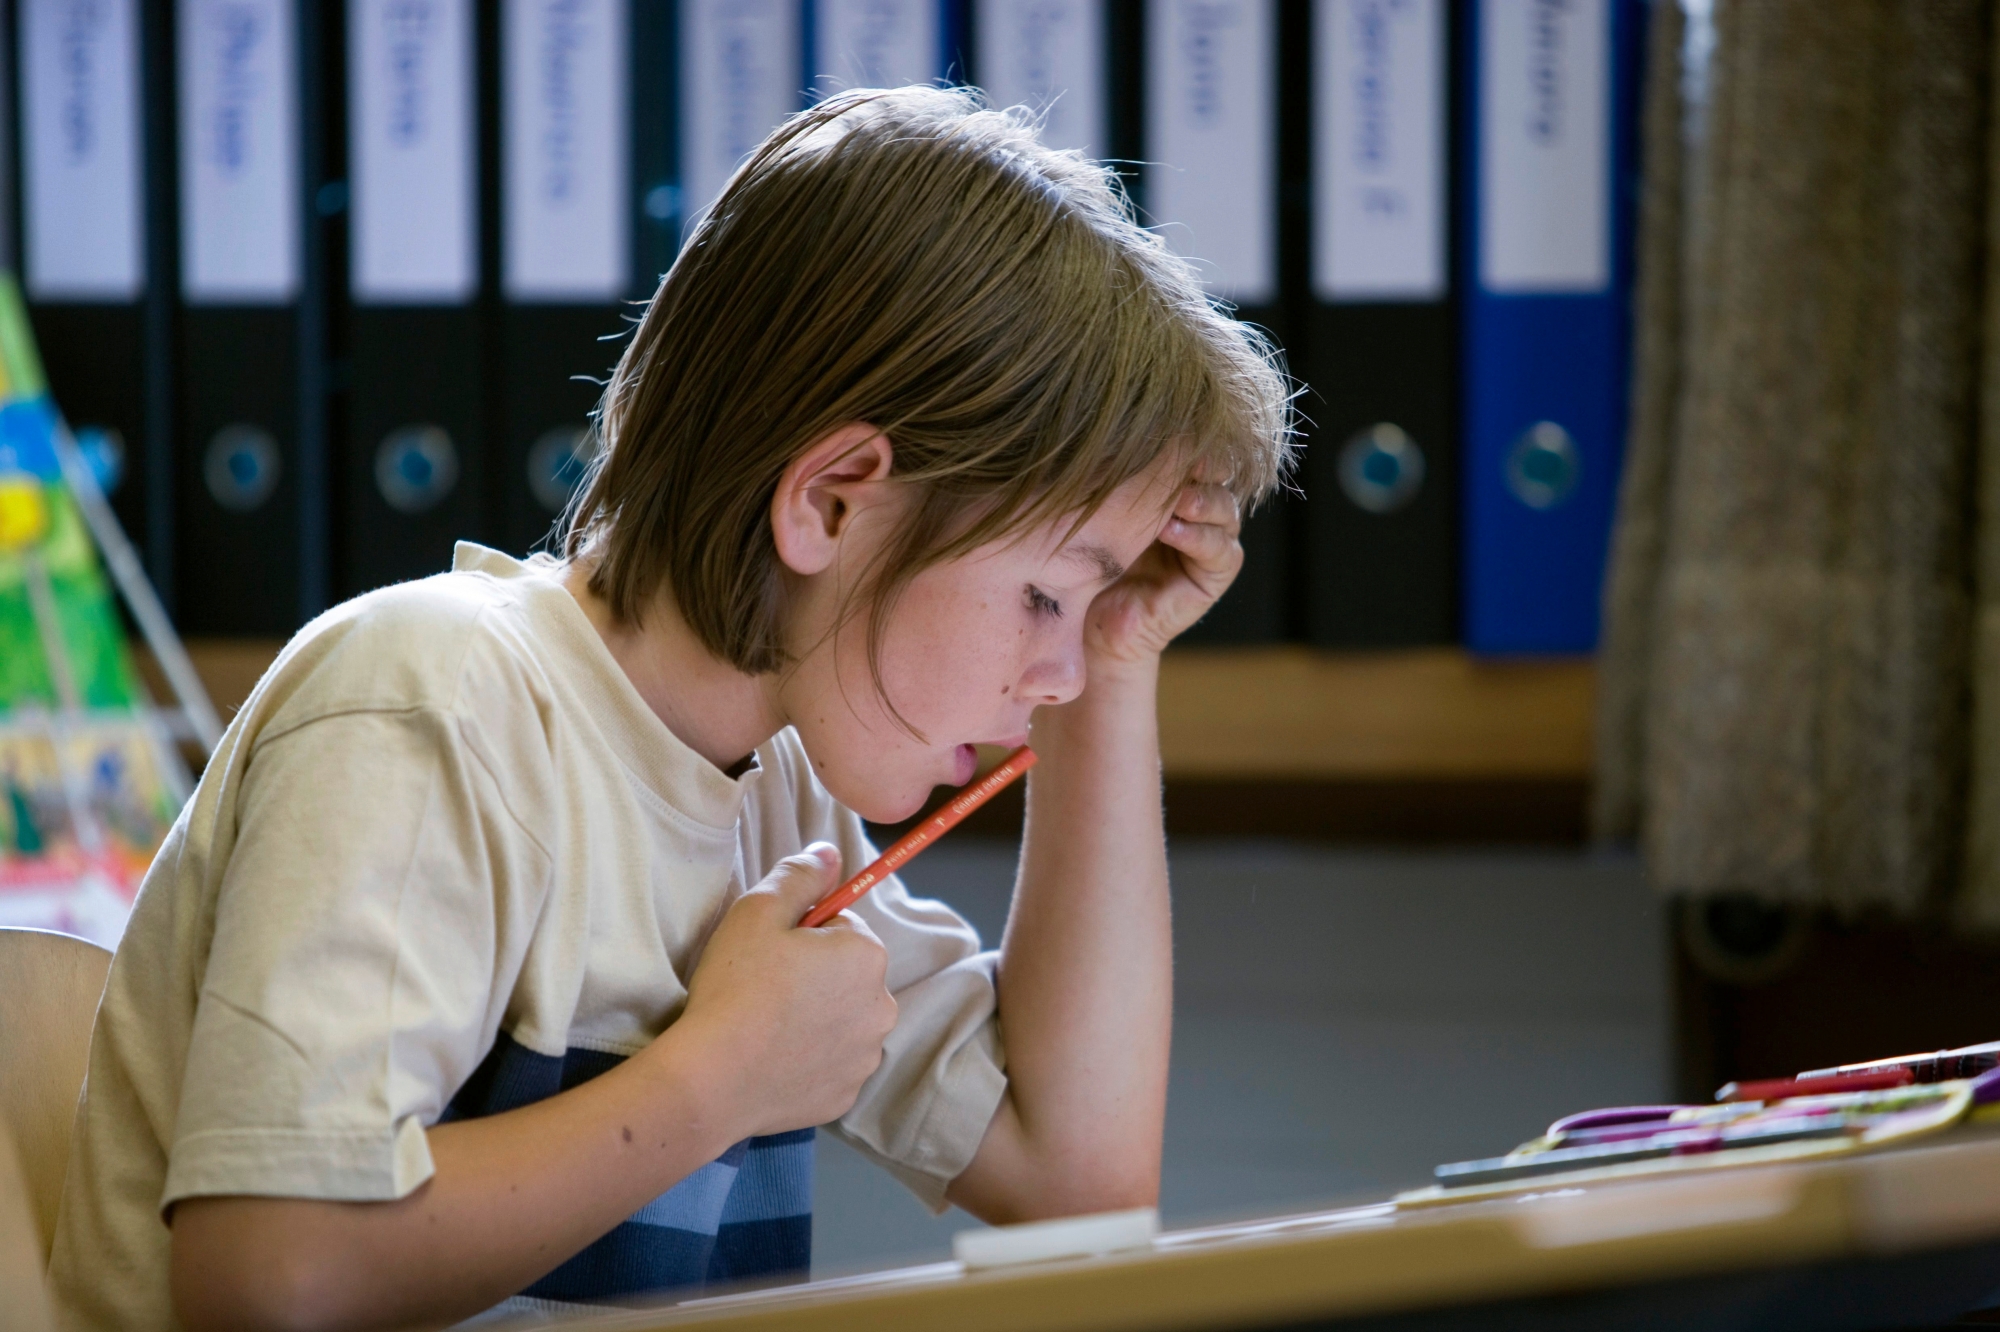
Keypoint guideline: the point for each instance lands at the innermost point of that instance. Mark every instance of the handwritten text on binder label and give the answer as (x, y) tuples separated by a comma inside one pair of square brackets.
[(566, 231), (1545, 145), (739, 78), (1379, 131), (239, 123), (84, 222), (411, 151), (1211, 108)]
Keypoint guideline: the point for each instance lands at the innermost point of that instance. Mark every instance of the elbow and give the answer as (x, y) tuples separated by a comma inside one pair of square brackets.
[(1084, 1175), (1111, 1187), (226, 1279), (1078, 1188), (291, 1297), (1020, 1176)]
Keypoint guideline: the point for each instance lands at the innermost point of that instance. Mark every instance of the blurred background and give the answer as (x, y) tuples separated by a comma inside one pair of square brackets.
[(1608, 710)]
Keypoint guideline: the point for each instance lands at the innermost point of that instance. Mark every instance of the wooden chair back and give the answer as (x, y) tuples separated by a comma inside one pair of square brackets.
[(24, 1293), (49, 988)]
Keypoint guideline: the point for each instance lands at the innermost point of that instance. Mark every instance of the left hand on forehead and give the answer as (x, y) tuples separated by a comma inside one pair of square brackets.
[(1174, 583)]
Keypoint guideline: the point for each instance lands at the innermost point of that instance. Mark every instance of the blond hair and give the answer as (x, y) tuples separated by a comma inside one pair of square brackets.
[(911, 259)]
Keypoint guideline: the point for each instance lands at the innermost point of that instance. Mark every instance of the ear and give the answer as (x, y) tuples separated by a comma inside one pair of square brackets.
[(820, 492)]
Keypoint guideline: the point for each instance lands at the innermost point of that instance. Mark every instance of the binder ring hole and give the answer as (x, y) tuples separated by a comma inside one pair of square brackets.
[(241, 467), (415, 467), (1543, 465), (557, 463), (1381, 468)]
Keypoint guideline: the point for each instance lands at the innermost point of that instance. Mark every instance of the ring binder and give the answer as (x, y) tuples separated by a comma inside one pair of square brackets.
[(1051, 59), (241, 276), (570, 201), (1546, 332), (83, 234), (1380, 513), (412, 477), (1211, 187)]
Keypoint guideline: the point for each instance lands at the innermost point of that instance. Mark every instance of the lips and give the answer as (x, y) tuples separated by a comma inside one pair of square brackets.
[(965, 762)]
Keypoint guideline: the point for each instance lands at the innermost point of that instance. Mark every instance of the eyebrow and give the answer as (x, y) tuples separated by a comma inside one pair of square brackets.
[(1109, 569)]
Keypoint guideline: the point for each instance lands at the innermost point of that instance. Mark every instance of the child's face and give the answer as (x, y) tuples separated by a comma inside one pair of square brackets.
[(969, 651)]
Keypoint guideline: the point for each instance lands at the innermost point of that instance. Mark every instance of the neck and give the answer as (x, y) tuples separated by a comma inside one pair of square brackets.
[(714, 709)]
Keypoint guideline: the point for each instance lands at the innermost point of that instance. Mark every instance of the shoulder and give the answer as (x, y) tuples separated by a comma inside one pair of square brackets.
[(462, 643)]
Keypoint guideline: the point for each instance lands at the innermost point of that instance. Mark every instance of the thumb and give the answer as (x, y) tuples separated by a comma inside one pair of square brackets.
[(801, 880)]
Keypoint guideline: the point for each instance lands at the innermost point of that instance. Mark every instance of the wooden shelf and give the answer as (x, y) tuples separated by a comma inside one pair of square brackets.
[(1286, 714), (1292, 713)]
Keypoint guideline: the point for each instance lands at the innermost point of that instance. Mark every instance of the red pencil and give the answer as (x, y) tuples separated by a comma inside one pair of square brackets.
[(1778, 1089), (919, 837)]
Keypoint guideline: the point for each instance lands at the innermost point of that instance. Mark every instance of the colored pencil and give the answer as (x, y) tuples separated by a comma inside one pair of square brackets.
[(1777, 1089), (919, 837)]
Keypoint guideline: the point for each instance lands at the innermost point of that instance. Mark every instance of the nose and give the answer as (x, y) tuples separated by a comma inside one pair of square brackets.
[(1055, 679)]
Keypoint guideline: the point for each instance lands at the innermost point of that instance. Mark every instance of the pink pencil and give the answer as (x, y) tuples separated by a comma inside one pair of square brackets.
[(919, 837)]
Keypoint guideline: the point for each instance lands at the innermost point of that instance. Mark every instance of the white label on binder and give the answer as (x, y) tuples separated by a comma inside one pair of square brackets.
[(1545, 145), (876, 43), (1378, 145), (566, 178), (411, 152), (239, 123), (1211, 106), (739, 78), (1047, 55), (84, 219)]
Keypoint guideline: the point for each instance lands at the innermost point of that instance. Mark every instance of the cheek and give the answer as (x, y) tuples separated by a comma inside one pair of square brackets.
[(953, 649)]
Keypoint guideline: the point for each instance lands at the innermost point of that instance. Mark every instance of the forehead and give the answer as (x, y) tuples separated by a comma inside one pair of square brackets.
[(1114, 535), (1120, 530)]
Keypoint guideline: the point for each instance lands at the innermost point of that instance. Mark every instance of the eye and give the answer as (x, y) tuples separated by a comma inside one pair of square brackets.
[(1041, 603)]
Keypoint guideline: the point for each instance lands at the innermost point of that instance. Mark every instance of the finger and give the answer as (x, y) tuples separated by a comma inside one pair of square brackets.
[(1209, 470), (1206, 545), (1208, 504), (801, 880), (886, 1013), (854, 922), (849, 922)]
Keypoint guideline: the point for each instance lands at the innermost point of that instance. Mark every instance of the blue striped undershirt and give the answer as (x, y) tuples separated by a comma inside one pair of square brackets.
[(745, 1217)]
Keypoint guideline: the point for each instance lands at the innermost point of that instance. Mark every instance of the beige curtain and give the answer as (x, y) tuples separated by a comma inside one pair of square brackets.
[(1789, 670)]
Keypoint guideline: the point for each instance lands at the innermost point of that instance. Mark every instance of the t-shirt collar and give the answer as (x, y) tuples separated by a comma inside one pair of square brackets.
[(654, 755)]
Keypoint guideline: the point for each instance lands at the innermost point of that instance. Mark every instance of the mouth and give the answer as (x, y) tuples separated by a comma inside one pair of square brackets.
[(965, 758)]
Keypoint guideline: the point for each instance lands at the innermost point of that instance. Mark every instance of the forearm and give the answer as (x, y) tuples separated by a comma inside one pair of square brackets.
[(512, 1197), (1086, 984)]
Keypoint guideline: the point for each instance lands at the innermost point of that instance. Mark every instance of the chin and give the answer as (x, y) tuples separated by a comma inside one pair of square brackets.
[(885, 799), (891, 810), (895, 813)]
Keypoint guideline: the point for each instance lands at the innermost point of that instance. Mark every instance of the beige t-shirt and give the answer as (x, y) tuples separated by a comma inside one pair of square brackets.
[(445, 826)]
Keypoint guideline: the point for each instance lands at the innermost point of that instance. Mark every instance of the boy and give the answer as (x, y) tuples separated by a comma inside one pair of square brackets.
[(447, 991)]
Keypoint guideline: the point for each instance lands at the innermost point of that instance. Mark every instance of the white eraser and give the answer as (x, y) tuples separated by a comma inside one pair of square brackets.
[(1066, 1237)]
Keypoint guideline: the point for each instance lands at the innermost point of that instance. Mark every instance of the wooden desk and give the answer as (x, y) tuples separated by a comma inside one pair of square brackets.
[(1903, 1237)]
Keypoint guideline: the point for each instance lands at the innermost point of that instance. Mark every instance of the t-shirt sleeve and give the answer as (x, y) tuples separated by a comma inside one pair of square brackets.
[(925, 1111), (372, 916)]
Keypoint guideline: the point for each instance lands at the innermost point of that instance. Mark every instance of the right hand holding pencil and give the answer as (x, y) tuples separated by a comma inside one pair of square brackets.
[(792, 1020)]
